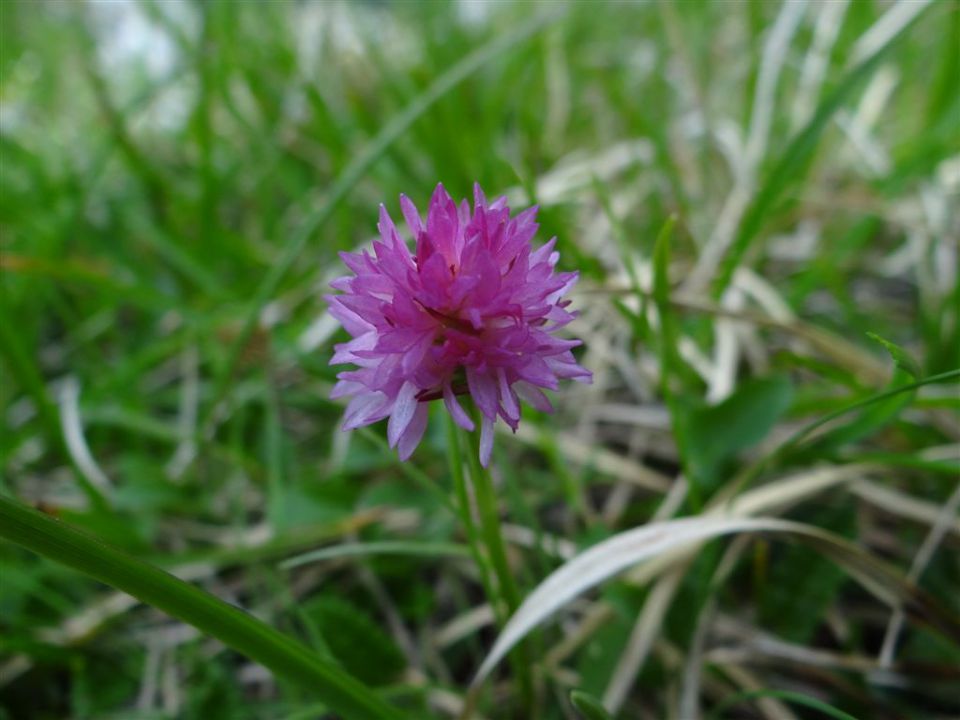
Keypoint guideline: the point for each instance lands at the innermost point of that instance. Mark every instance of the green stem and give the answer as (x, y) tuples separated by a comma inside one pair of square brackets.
[(455, 459), (58, 541), (492, 535)]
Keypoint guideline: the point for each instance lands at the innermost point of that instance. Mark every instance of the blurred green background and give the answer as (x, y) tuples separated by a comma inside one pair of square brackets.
[(177, 178)]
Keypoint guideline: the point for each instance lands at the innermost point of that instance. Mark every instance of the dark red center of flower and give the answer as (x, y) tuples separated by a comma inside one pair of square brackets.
[(449, 321)]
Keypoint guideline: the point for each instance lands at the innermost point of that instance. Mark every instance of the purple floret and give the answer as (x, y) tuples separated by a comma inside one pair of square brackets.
[(473, 311)]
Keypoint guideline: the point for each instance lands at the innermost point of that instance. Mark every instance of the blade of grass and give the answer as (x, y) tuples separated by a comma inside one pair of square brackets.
[(589, 706), (787, 695), (647, 543), (27, 374), (58, 541), (792, 164), (86, 622), (390, 547), (671, 364), (752, 472), (409, 470)]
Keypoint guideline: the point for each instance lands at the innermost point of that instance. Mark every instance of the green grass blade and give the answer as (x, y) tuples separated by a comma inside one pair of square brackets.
[(242, 632), (794, 441), (588, 706), (787, 695), (389, 547), (794, 161), (22, 368), (805, 432), (671, 364)]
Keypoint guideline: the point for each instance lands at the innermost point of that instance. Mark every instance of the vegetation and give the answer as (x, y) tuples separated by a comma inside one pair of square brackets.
[(762, 201)]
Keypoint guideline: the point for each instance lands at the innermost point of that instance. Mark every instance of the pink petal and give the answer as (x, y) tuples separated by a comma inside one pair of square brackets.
[(570, 280), (537, 372), (479, 199), (414, 433), (507, 398), (527, 216), (486, 440), (388, 231), (403, 411), (352, 322), (345, 351), (361, 409), (346, 387), (566, 367), (454, 408), (358, 263), (534, 396), (543, 252), (411, 215), (442, 224), (483, 388)]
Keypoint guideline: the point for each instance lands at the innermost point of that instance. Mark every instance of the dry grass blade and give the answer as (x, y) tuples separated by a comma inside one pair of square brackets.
[(75, 439), (644, 633), (904, 506), (773, 496), (920, 562), (614, 555), (606, 461)]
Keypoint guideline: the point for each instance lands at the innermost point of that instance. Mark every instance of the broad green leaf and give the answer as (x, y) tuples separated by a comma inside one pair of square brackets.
[(353, 638), (717, 433)]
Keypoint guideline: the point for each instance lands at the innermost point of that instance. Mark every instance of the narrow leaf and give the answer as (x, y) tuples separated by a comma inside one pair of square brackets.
[(901, 357), (616, 554), (588, 706), (235, 628)]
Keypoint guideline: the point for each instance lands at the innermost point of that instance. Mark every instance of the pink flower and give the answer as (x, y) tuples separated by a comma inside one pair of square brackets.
[(473, 311)]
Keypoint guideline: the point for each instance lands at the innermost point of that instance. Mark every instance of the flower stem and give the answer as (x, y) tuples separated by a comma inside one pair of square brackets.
[(464, 509), (506, 597), (492, 534)]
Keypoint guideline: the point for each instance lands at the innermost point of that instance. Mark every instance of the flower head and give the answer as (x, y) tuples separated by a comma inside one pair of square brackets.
[(472, 311)]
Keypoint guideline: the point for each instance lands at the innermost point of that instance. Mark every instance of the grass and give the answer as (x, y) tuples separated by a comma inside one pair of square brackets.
[(169, 221)]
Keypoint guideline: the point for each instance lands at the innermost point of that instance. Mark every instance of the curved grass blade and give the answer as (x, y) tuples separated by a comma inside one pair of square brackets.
[(794, 442), (616, 554), (805, 432), (235, 628), (390, 547), (794, 697)]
